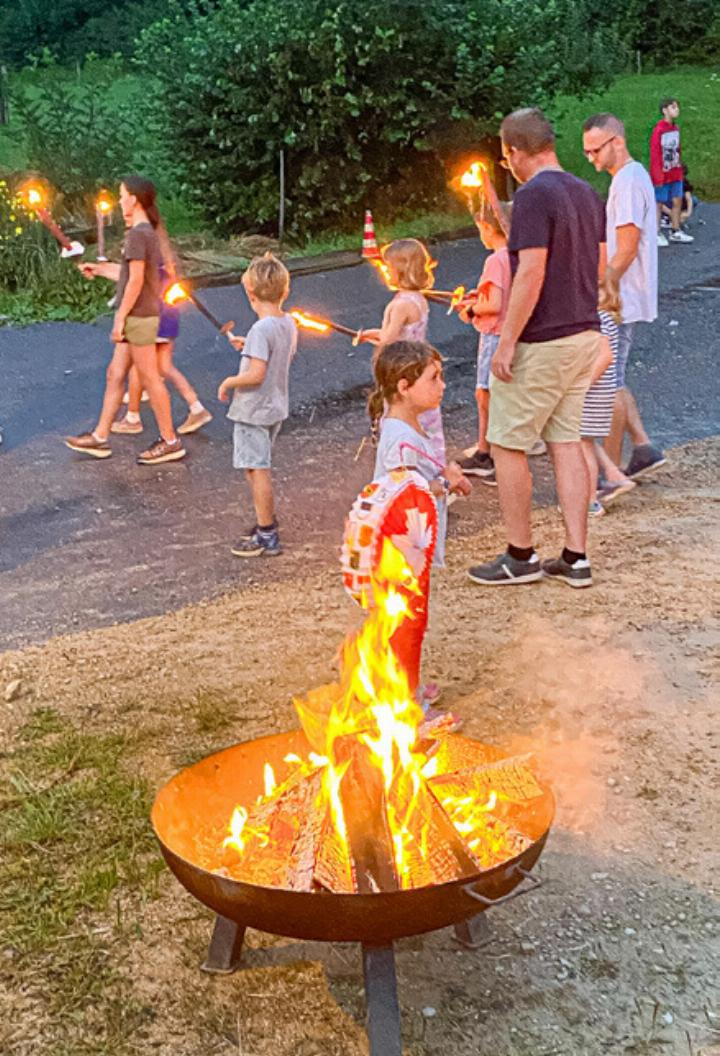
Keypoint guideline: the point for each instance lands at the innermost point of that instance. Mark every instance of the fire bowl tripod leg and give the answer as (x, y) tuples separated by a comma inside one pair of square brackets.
[(225, 950), (474, 933), (383, 1010)]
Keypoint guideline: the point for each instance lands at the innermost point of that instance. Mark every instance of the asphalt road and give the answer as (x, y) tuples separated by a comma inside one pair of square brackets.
[(86, 544)]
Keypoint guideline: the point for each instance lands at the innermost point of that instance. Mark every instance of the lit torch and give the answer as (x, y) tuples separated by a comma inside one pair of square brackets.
[(177, 292), (322, 326), (34, 197), (476, 179), (103, 209)]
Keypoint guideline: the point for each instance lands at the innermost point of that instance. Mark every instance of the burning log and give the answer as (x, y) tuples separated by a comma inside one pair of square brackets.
[(362, 794)]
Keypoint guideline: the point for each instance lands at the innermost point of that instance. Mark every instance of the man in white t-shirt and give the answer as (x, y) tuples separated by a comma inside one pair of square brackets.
[(632, 270)]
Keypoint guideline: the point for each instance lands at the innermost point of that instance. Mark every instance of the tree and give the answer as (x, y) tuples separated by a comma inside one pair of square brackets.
[(368, 98)]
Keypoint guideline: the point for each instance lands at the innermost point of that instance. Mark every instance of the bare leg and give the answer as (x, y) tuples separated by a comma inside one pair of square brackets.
[(260, 481), (591, 461), (610, 471), (114, 388), (573, 488), (618, 426), (659, 215), (134, 391), (170, 372), (515, 492), (483, 405), (146, 360), (634, 422)]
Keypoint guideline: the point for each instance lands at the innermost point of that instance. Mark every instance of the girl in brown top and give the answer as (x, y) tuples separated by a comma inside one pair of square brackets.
[(135, 325)]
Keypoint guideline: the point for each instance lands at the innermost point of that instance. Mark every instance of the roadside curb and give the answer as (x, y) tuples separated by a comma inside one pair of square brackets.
[(335, 260)]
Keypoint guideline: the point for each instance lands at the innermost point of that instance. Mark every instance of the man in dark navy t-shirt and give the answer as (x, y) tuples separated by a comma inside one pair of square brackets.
[(549, 343)]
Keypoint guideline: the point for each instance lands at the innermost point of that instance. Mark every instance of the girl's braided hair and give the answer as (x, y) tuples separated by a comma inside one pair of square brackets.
[(392, 363)]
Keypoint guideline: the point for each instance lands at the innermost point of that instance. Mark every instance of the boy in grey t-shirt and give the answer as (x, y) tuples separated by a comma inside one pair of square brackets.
[(260, 401)]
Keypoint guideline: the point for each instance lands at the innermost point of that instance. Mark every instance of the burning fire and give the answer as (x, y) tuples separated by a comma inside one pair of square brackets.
[(103, 203), (383, 271), (371, 782), (176, 293), (472, 177), (308, 322), (32, 194)]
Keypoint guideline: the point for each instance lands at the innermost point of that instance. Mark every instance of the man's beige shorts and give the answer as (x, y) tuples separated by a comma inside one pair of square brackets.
[(545, 397)]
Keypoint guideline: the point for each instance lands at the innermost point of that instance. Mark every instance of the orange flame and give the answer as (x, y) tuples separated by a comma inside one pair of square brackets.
[(33, 194), (308, 322), (103, 202), (472, 177), (374, 705), (176, 293), (383, 271)]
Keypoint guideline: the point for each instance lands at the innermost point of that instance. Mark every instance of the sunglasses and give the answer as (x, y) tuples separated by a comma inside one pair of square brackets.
[(593, 152)]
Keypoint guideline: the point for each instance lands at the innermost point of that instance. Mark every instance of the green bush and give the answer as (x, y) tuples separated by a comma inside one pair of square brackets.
[(369, 99), (35, 282)]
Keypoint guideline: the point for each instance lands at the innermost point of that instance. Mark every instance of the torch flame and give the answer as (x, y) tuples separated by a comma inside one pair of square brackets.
[(308, 322), (176, 293), (383, 271), (457, 296), (472, 177), (103, 203)]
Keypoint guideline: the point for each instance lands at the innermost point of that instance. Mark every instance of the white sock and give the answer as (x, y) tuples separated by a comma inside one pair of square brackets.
[(133, 418), (100, 439), (196, 407), (126, 398)]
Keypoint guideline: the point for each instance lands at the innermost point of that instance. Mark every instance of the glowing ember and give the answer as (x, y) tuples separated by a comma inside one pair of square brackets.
[(308, 322), (440, 809), (176, 293)]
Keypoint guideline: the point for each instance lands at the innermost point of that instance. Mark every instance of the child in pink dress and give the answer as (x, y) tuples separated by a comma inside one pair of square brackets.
[(410, 270)]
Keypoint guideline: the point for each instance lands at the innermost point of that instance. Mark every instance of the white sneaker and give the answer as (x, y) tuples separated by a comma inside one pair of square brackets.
[(661, 240), (680, 236)]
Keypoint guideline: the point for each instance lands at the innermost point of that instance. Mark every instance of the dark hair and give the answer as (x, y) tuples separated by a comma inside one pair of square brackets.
[(528, 130), (144, 191), (668, 101), (605, 120), (392, 363)]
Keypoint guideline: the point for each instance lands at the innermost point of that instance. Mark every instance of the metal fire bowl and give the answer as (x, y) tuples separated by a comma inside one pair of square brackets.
[(207, 792)]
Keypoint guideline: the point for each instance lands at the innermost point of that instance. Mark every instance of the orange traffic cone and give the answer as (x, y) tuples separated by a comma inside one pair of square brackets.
[(370, 249)]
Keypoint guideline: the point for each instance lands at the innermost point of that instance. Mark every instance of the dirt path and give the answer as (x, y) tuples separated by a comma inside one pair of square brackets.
[(615, 688)]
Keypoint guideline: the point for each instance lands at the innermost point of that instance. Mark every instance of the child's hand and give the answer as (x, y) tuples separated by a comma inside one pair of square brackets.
[(238, 343), (223, 392), (459, 484), (372, 336), (88, 270)]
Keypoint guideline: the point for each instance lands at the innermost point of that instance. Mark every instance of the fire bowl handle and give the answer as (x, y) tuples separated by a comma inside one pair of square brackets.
[(534, 882)]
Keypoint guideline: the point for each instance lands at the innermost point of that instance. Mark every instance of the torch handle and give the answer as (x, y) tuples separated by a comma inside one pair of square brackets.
[(206, 311), (44, 217), (100, 235), (342, 329)]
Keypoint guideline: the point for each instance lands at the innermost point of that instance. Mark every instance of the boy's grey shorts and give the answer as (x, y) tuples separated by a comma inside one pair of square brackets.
[(252, 445)]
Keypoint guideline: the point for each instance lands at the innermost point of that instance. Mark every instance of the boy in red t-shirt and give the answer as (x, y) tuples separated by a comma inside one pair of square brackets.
[(487, 313), (666, 170)]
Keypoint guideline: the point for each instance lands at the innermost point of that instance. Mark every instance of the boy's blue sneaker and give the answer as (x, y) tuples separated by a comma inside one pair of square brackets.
[(259, 544)]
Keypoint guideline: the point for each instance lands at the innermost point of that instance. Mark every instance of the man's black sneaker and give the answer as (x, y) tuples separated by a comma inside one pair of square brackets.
[(578, 574), (480, 464), (506, 570), (643, 460), (260, 544)]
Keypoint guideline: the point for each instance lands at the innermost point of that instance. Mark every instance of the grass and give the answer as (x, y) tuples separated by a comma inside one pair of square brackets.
[(634, 98), (77, 851)]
